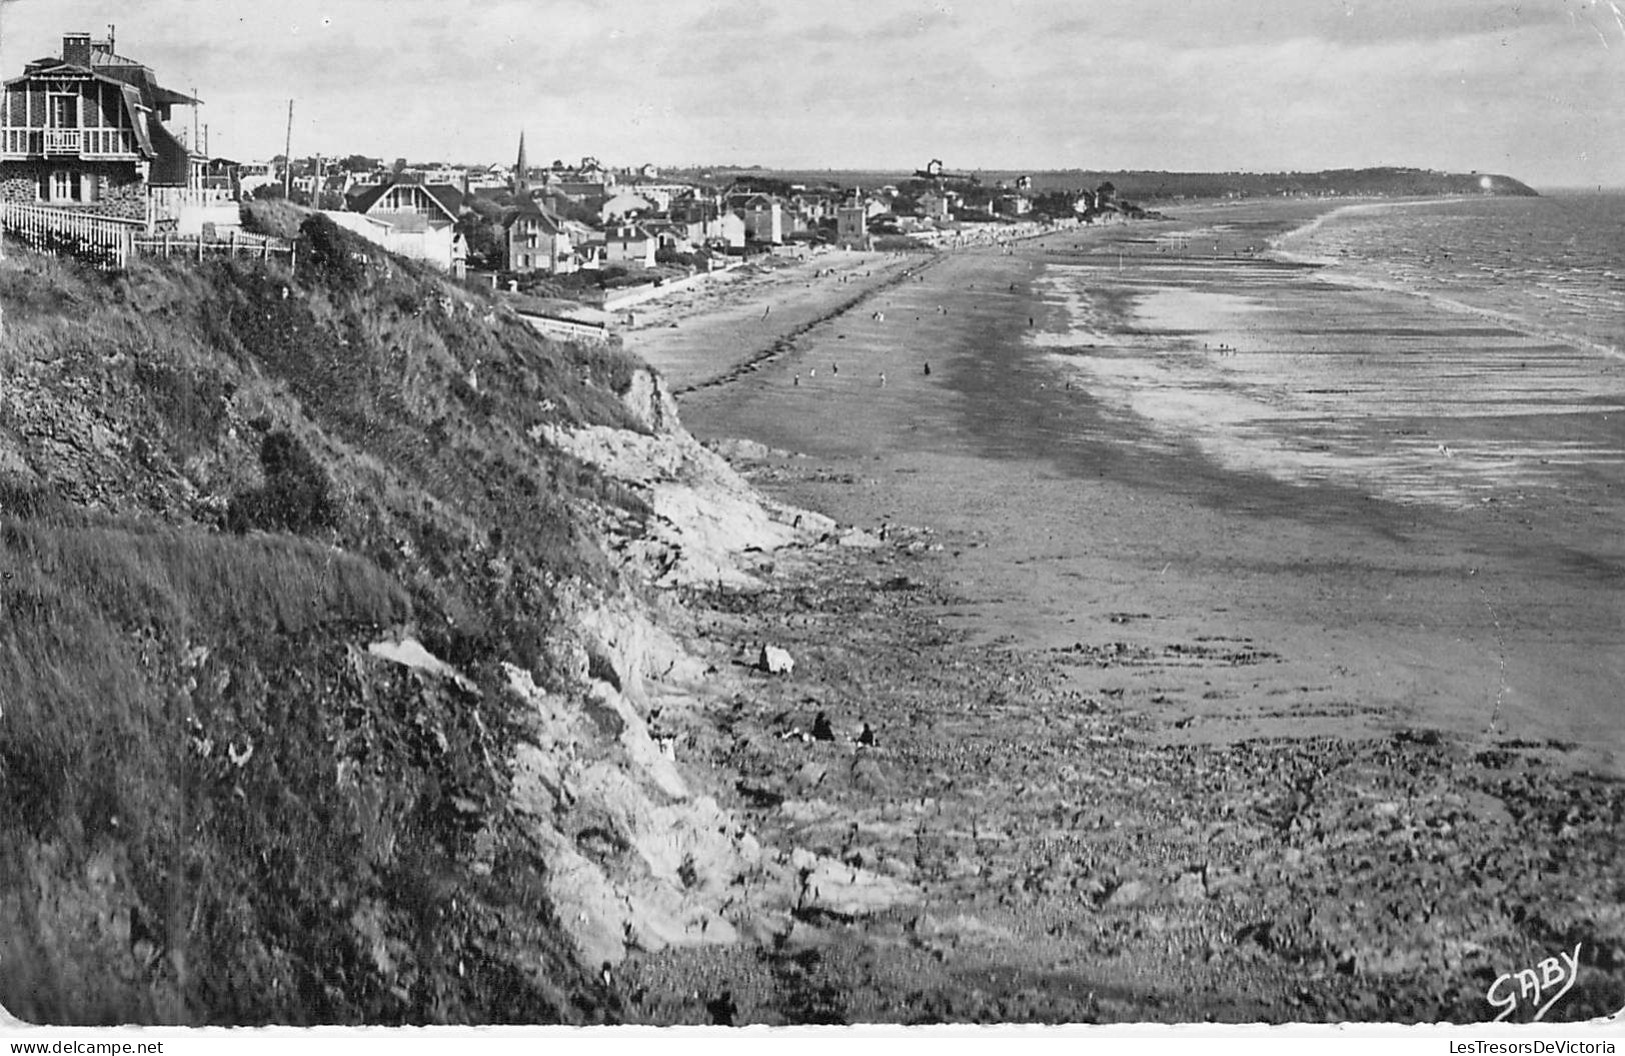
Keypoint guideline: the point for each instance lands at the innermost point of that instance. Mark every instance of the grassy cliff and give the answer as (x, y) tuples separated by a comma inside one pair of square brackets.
[(220, 483)]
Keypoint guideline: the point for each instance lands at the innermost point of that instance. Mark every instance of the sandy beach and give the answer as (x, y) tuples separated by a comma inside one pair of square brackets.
[(747, 311), (1181, 531)]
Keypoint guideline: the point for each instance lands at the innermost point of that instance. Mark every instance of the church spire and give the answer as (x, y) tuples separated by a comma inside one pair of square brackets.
[(521, 168)]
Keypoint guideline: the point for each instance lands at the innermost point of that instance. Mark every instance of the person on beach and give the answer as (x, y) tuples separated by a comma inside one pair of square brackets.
[(882, 379), (928, 370), (798, 378), (834, 368)]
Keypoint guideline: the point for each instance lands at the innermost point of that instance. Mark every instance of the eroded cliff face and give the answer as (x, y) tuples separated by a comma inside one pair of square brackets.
[(641, 856)]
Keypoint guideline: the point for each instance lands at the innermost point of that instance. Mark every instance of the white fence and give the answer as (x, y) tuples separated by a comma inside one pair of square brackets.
[(559, 326), (108, 242), (235, 244), (104, 241), (626, 296)]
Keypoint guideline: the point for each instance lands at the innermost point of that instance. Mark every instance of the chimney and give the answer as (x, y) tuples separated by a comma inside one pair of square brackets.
[(76, 48)]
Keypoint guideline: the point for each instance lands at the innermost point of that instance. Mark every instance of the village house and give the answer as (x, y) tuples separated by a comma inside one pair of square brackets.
[(252, 175), (492, 178), (629, 244), (725, 230), (813, 209), (587, 194), (1012, 205), (763, 217), (592, 171), (719, 227), (662, 194), (623, 205), (852, 222), (421, 221), (677, 235), (86, 131), (586, 240), (933, 206), (537, 240), (409, 206)]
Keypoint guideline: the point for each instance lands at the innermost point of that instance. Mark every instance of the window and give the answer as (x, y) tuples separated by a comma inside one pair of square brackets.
[(64, 111), (65, 186)]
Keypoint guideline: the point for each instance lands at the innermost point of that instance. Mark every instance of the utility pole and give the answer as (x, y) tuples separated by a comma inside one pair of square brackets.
[(287, 157)]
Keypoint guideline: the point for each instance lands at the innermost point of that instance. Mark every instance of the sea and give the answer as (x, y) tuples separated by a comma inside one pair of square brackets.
[(1553, 265), (1449, 352)]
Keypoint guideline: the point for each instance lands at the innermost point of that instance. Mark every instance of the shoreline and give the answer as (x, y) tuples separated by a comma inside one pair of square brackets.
[(1339, 271)]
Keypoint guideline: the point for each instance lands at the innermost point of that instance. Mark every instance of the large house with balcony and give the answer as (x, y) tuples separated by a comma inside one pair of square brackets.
[(85, 131)]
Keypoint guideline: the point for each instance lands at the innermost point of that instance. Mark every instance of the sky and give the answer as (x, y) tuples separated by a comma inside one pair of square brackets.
[(1534, 89)]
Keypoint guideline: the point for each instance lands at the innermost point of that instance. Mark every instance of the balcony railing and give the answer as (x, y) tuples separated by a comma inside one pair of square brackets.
[(63, 141), (78, 142)]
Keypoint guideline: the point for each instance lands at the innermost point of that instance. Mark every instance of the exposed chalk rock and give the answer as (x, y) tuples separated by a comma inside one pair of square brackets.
[(848, 891), (775, 661)]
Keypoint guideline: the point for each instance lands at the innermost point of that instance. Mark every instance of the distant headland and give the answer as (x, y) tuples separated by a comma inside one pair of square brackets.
[(1154, 185)]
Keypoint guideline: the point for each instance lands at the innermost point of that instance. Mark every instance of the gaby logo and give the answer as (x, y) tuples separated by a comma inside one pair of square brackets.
[(1550, 979)]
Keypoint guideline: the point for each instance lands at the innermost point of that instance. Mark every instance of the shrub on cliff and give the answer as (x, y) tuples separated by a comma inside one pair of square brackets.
[(274, 216), (297, 496), (334, 256)]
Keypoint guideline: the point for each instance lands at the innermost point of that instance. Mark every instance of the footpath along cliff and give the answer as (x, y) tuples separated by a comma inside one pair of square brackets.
[(339, 626)]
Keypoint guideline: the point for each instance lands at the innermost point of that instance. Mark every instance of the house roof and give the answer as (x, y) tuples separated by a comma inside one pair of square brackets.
[(447, 197), (580, 187), (138, 88), (530, 209), (122, 72), (143, 134)]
